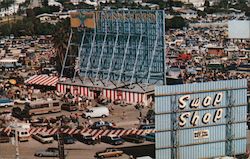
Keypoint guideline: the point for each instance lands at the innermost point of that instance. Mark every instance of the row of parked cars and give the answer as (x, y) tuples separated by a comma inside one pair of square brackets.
[(109, 152), (54, 152), (88, 139)]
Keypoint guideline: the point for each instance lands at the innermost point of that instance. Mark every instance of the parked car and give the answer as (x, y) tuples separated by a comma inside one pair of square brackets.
[(101, 125), (86, 138), (39, 123), (104, 125), (69, 106), (96, 112), (49, 152), (6, 102), (19, 113), (67, 139), (109, 152), (4, 138), (150, 137), (147, 126), (112, 139), (21, 101), (144, 157), (44, 138), (133, 138)]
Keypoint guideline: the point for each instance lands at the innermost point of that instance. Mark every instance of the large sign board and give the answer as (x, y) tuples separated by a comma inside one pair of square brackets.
[(122, 45), (239, 29), (201, 120)]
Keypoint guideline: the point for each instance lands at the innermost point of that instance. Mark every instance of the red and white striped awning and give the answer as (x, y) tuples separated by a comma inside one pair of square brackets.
[(43, 80)]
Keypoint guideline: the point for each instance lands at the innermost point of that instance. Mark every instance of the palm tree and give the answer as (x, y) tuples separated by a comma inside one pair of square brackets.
[(60, 40)]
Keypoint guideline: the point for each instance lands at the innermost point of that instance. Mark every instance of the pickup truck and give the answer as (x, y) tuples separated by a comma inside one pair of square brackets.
[(86, 138)]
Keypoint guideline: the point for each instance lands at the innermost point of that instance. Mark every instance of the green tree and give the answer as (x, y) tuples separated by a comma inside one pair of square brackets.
[(6, 4), (45, 3), (247, 13), (207, 4), (175, 23), (201, 13)]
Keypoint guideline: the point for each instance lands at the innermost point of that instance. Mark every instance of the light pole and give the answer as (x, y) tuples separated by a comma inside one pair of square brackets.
[(15, 127), (60, 142), (16, 143)]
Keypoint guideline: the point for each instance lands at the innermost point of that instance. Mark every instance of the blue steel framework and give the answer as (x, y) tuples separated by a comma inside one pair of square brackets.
[(126, 46), (227, 136)]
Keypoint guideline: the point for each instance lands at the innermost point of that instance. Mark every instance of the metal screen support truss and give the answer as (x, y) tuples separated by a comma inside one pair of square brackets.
[(100, 59), (152, 60), (229, 120), (90, 54), (136, 58), (113, 53), (174, 128), (66, 54), (79, 53), (124, 57)]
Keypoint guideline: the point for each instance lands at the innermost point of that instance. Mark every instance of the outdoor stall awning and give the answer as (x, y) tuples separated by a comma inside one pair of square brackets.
[(43, 80)]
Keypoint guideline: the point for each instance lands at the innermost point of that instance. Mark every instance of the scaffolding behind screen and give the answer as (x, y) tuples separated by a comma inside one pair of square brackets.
[(126, 46)]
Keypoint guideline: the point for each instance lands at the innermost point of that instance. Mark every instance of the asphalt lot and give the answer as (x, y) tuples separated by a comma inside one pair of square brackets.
[(75, 151), (79, 150), (129, 121)]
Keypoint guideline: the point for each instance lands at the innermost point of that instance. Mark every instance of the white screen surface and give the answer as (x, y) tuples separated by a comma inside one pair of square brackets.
[(239, 29)]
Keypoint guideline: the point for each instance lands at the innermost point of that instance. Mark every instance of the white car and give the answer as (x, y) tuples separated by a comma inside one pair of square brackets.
[(21, 101), (96, 112), (44, 138), (5, 102)]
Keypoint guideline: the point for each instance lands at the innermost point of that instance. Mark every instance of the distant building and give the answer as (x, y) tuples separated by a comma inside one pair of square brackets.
[(186, 13), (215, 51), (54, 3), (48, 18), (91, 2), (9, 11), (62, 15), (150, 5), (196, 3)]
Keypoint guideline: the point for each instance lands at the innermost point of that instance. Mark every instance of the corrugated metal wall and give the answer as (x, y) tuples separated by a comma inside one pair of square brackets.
[(226, 136)]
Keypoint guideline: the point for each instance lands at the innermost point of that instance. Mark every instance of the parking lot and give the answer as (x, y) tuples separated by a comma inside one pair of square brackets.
[(128, 121), (75, 151), (125, 117)]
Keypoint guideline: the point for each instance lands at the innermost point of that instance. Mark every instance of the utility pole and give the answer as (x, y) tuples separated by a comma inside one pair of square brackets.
[(16, 140), (60, 146), (60, 142), (16, 144)]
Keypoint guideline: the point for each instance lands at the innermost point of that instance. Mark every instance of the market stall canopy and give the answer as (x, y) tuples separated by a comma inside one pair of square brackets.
[(43, 80)]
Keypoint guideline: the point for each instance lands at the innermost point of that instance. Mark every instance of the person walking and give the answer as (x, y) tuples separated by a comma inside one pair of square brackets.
[(123, 115)]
